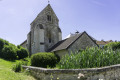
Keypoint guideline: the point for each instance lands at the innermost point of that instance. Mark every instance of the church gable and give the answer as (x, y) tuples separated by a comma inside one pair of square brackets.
[(45, 31), (47, 15)]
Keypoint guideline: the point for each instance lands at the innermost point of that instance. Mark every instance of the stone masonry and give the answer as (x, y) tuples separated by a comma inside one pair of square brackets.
[(104, 73), (45, 31)]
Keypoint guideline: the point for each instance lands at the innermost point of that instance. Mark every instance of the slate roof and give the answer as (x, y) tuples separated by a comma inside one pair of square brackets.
[(64, 44)]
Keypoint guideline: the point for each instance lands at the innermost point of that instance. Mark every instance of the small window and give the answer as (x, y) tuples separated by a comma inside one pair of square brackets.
[(42, 43), (48, 17), (49, 40)]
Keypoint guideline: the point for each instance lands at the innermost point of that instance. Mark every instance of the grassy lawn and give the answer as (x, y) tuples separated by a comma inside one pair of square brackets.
[(6, 72)]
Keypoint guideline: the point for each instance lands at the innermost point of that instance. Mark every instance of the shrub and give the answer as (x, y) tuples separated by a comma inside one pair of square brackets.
[(43, 60), (113, 45), (17, 67), (89, 58), (22, 53), (9, 52), (2, 43)]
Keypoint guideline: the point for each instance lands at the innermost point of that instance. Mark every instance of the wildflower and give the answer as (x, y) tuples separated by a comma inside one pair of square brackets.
[(80, 75)]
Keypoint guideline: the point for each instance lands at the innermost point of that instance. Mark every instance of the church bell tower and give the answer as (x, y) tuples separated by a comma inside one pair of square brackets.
[(45, 31)]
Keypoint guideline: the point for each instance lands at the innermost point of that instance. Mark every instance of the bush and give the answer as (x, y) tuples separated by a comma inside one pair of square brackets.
[(90, 58), (17, 67), (22, 53), (44, 60), (2, 43), (9, 52), (113, 45)]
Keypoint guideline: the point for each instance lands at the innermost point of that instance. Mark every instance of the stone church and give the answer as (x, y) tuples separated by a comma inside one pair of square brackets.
[(46, 36)]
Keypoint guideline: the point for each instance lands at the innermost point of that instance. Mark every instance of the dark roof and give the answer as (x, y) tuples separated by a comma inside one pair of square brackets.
[(64, 44), (23, 42), (56, 45)]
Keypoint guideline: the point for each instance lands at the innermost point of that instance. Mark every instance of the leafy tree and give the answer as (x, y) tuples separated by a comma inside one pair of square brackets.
[(9, 52), (113, 45)]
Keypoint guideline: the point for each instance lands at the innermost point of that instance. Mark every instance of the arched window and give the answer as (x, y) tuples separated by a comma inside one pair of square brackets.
[(40, 26)]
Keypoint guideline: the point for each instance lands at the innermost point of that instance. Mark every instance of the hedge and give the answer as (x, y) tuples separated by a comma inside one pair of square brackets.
[(22, 52), (10, 51), (44, 60)]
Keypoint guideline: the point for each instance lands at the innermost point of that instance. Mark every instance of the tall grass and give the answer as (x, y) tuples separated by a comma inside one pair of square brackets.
[(90, 58), (17, 67)]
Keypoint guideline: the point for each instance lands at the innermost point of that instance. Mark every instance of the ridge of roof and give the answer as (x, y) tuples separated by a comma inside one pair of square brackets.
[(66, 43)]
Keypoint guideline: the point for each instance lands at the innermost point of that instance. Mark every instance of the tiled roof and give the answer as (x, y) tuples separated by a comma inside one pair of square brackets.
[(64, 44), (103, 42)]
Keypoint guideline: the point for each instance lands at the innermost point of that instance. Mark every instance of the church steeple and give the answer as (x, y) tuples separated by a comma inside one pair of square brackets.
[(45, 31)]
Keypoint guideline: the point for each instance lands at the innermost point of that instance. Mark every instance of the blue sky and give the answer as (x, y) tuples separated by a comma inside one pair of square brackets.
[(99, 18)]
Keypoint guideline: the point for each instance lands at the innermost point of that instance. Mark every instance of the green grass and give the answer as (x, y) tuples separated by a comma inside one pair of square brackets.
[(6, 72)]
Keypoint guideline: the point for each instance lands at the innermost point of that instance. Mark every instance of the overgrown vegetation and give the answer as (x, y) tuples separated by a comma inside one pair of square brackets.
[(113, 45), (17, 67), (9, 51), (90, 58), (44, 60)]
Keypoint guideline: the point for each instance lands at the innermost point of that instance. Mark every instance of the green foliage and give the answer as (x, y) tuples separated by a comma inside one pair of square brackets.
[(6, 72), (22, 52), (9, 52), (44, 60), (113, 45), (2, 43), (17, 67), (90, 58), (26, 61)]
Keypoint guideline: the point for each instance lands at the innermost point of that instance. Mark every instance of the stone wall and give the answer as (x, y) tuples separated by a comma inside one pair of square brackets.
[(104, 73), (61, 53), (83, 42)]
